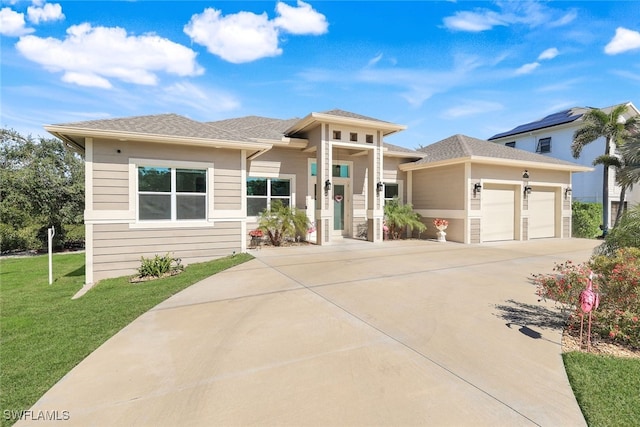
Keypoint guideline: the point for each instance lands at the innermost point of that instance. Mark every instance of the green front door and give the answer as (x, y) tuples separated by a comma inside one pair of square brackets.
[(339, 201)]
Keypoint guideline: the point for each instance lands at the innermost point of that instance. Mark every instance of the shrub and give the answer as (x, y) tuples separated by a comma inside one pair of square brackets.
[(586, 219), (281, 222), (159, 266), (398, 217), (625, 235), (617, 281)]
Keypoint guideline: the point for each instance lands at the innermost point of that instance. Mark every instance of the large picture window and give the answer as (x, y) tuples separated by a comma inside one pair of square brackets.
[(261, 192), (171, 194)]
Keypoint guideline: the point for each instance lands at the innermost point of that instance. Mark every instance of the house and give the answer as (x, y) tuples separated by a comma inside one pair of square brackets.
[(552, 136), (166, 183)]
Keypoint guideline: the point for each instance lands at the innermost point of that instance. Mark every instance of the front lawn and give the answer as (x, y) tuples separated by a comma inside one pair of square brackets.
[(607, 388), (45, 333)]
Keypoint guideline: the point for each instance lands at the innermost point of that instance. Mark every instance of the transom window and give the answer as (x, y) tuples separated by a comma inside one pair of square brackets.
[(544, 145), (337, 134), (171, 194), (337, 171), (261, 192), (353, 137)]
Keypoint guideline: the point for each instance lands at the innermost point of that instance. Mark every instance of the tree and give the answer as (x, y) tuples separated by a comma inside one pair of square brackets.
[(398, 217), (42, 186), (615, 129), (281, 222)]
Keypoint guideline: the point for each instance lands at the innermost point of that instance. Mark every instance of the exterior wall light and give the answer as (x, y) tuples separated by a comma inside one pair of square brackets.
[(327, 186), (379, 187), (527, 190), (567, 192), (477, 187)]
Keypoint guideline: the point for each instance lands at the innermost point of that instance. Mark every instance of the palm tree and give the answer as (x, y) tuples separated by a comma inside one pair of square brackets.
[(615, 129)]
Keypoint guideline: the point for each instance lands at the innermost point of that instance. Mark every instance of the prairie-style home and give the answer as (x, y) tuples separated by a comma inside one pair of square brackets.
[(166, 183)]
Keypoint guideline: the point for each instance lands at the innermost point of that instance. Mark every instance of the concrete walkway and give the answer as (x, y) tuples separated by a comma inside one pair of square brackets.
[(399, 333)]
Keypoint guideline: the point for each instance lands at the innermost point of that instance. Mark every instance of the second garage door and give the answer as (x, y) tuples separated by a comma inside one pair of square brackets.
[(542, 213), (498, 213)]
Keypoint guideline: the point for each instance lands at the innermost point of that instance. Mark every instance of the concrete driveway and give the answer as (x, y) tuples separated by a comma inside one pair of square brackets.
[(399, 333)]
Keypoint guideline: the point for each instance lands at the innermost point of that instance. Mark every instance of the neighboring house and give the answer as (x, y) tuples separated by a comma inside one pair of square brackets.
[(165, 183), (552, 136)]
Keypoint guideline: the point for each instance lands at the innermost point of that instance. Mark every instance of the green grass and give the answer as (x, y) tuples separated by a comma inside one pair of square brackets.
[(44, 333), (607, 388)]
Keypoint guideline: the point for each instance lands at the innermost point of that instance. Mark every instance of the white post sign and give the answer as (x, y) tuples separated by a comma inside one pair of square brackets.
[(51, 232)]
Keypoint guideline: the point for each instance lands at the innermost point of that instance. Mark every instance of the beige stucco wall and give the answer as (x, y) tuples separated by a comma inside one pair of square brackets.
[(439, 188)]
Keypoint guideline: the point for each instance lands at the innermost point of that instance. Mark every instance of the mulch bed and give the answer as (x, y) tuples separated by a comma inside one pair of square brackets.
[(571, 342)]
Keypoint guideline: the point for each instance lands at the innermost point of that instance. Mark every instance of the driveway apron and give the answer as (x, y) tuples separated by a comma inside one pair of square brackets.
[(398, 333)]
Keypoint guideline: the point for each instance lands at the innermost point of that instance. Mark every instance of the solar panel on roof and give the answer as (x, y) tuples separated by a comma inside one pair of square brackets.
[(554, 119)]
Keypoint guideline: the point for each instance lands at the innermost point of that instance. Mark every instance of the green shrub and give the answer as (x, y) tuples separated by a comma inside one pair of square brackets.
[(280, 222), (398, 217), (625, 235), (74, 235), (159, 266), (586, 219), (26, 238)]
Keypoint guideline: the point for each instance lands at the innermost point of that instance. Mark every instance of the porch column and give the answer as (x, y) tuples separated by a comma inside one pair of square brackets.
[(375, 199), (324, 211)]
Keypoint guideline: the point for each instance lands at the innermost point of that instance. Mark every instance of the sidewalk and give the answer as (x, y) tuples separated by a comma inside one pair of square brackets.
[(399, 333)]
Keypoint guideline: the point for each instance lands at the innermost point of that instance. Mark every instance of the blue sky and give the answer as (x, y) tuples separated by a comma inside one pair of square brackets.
[(438, 67)]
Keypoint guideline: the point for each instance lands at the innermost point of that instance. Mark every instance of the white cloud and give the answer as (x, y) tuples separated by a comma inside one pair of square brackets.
[(12, 23), (471, 108), (473, 21), (548, 54), (237, 38), (203, 100), (90, 56), (623, 41), (49, 12), (529, 13), (527, 68), (300, 20), (245, 36), (373, 61)]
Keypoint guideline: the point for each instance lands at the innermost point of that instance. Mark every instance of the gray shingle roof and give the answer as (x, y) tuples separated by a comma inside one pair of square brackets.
[(160, 124), (256, 126), (400, 149), (462, 146)]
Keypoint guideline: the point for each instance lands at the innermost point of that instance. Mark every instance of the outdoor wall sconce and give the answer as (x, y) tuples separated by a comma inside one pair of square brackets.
[(567, 192), (477, 187), (379, 187), (527, 190), (525, 175), (327, 186)]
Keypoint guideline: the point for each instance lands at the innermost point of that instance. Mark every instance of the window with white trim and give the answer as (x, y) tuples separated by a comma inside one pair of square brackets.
[(261, 192), (171, 194), (391, 191)]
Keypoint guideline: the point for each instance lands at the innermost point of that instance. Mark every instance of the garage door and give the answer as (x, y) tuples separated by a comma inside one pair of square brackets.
[(498, 213), (542, 213)]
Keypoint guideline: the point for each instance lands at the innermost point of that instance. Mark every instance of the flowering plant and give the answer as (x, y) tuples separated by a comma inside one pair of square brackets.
[(256, 233), (440, 223)]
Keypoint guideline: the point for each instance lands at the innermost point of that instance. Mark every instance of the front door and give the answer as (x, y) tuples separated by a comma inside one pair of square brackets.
[(341, 208)]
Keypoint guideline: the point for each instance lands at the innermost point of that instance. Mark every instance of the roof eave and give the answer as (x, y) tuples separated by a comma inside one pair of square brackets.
[(62, 132), (498, 162), (387, 128)]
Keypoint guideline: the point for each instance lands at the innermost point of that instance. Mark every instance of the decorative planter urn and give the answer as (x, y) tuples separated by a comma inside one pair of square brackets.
[(442, 236)]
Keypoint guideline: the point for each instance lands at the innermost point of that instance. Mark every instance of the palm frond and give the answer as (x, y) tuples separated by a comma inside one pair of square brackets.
[(608, 160)]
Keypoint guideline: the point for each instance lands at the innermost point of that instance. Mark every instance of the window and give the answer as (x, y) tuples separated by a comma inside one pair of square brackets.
[(544, 145), (353, 137), (337, 171), (511, 144), (369, 139), (261, 192), (171, 194), (391, 190), (337, 134)]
